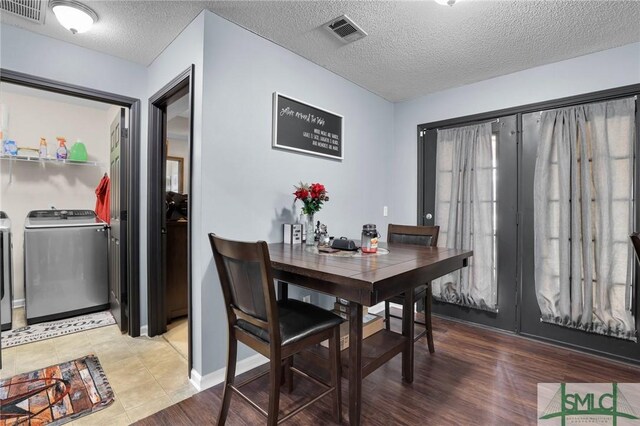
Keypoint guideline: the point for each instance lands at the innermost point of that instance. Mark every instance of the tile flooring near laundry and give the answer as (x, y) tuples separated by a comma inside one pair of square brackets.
[(146, 374)]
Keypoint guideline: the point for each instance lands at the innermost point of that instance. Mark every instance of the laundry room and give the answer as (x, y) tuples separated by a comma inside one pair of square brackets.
[(54, 202)]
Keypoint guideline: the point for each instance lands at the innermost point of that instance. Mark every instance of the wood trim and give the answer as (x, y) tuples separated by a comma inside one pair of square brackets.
[(133, 216)]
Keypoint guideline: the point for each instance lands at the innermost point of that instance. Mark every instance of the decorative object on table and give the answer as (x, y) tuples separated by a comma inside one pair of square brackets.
[(55, 395), (369, 238), (62, 151), (343, 243), (300, 127), (10, 147), (43, 150), (330, 251), (48, 330), (323, 236), (312, 196), (78, 152), (292, 233)]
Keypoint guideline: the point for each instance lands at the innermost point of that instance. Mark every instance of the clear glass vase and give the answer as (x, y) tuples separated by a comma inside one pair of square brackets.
[(310, 229)]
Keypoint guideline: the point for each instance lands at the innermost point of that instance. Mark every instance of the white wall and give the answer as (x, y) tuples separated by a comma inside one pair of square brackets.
[(590, 73), (246, 186), (39, 186)]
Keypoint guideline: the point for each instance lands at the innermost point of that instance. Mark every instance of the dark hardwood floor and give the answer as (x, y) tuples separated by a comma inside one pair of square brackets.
[(476, 376)]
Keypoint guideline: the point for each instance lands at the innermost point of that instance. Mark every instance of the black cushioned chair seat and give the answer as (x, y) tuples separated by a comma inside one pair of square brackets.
[(417, 294), (297, 320)]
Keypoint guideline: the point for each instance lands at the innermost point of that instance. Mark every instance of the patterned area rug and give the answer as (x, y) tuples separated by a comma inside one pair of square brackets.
[(48, 330), (55, 395)]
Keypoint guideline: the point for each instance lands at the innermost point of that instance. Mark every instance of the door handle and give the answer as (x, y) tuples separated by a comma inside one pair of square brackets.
[(163, 231)]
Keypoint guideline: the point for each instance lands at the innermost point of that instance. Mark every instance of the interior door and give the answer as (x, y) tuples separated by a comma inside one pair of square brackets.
[(505, 199), (118, 293)]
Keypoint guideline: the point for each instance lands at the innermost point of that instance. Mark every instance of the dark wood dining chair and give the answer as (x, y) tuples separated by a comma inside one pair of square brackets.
[(275, 329), (417, 235)]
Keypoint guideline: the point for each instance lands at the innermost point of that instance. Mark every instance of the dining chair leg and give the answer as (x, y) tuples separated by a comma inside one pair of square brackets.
[(336, 376), (274, 390), (289, 373), (387, 316), (229, 379), (427, 318)]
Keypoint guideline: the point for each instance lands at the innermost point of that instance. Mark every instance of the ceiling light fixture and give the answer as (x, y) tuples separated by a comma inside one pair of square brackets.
[(447, 2), (74, 16)]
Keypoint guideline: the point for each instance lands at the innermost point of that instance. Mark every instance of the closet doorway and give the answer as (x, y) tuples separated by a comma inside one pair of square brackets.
[(124, 187), (170, 159)]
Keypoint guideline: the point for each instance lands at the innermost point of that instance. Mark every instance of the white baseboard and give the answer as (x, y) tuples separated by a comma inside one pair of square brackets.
[(144, 330), (18, 303), (208, 380)]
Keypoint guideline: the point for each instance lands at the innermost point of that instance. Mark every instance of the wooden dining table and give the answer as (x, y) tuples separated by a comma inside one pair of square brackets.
[(366, 280)]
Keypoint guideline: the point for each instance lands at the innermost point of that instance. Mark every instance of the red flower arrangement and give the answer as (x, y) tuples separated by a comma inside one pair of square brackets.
[(312, 196)]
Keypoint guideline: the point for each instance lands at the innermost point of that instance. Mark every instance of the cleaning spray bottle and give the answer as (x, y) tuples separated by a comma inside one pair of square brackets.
[(42, 152), (61, 152)]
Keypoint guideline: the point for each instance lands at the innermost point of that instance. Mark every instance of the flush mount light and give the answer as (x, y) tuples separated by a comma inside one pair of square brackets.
[(447, 2), (74, 16)]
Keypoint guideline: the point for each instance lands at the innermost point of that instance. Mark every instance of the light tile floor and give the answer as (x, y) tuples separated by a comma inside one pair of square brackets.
[(177, 336), (146, 374)]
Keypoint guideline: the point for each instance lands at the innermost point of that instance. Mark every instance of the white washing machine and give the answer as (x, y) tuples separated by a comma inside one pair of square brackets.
[(6, 280)]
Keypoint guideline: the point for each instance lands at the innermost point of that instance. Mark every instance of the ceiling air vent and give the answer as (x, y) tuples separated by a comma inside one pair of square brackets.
[(31, 10), (345, 29)]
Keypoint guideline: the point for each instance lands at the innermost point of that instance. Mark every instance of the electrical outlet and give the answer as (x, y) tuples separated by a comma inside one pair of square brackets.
[(307, 298), (385, 211)]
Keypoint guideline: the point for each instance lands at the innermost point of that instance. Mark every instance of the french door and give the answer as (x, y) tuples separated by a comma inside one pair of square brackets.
[(517, 139), (504, 198), (530, 323)]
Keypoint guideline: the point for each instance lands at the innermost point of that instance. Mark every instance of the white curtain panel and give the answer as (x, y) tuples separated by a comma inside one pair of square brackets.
[(465, 205), (583, 216)]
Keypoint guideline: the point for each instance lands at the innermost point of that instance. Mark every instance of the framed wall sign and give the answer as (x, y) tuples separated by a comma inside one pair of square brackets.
[(298, 126)]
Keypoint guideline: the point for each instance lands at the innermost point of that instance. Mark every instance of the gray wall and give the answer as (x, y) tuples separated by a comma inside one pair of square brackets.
[(184, 51), (584, 74), (247, 186)]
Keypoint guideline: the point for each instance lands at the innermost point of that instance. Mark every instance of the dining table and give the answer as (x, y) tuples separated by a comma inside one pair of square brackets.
[(365, 279)]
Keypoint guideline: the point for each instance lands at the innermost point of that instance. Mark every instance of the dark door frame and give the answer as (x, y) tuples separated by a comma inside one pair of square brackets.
[(133, 214), (156, 282)]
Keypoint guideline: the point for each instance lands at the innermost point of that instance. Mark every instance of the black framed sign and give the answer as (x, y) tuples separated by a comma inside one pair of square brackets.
[(298, 126)]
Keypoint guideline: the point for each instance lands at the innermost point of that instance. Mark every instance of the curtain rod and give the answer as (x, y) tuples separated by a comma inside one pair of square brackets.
[(635, 98), (497, 120)]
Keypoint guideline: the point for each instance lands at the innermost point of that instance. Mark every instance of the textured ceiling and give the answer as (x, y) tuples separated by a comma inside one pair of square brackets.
[(413, 48)]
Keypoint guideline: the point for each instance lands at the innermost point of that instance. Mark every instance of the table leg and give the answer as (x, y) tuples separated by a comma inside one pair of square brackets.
[(407, 330), (286, 375), (283, 290), (355, 363)]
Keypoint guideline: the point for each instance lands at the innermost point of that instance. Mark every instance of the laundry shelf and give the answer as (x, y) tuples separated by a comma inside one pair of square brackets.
[(48, 160)]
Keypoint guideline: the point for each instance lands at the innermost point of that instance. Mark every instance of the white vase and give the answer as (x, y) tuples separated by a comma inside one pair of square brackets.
[(310, 229)]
